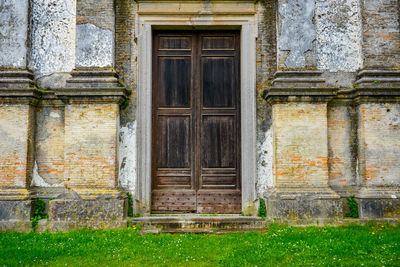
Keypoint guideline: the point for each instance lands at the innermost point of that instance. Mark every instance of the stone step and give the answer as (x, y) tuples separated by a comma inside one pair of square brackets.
[(199, 223)]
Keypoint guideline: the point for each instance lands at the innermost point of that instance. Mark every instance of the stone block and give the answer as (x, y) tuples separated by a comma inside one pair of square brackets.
[(94, 46), (381, 34), (379, 208), (304, 204), (379, 202), (68, 214), (338, 28), (15, 215)]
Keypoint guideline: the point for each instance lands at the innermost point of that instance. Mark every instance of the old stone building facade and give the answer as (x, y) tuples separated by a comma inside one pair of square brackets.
[(198, 107)]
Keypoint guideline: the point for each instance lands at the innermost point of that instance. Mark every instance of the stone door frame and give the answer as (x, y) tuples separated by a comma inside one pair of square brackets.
[(245, 20)]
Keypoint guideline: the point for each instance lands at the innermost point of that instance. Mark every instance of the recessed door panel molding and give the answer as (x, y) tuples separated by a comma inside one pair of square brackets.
[(196, 143), (175, 77)]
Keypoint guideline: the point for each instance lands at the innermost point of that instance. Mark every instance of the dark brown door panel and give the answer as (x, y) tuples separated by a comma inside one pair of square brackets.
[(196, 122)]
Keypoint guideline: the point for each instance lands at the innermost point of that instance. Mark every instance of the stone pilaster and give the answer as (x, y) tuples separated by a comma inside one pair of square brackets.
[(377, 96), (301, 191), (18, 97), (52, 53)]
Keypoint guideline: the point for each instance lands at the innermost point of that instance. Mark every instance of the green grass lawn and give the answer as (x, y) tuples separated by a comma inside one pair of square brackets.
[(371, 245)]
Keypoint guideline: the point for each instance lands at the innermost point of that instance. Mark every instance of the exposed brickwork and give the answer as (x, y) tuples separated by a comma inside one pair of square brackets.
[(96, 12), (90, 151), (49, 144), (126, 52), (341, 140), (266, 67), (300, 144), (15, 121), (266, 43), (381, 33), (379, 144)]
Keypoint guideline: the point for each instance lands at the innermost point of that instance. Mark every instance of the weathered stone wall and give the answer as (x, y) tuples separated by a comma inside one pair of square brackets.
[(52, 37), (381, 33), (338, 35), (126, 66), (95, 33), (49, 147), (296, 34), (342, 144), (13, 33), (266, 67), (320, 131)]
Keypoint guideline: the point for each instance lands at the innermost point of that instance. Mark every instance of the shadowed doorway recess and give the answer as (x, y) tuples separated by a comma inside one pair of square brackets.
[(196, 122)]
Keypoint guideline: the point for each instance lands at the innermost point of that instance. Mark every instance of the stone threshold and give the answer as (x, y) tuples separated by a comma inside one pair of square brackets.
[(224, 223), (199, 223)]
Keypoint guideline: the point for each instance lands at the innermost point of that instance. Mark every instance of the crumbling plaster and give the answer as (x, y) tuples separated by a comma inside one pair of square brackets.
[(338, 28), (13, 33), (322, 34), (296, 32), (94, 46), (52, 36), (127, 157)]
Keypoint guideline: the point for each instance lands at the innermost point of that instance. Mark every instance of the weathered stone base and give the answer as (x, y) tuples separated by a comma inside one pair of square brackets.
[(379, 202), (15, 215), (195, 223), (69, 214), (68, 209), (304, 204)]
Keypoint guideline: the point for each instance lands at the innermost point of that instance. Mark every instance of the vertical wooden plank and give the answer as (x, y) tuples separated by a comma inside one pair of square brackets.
[(173, 188), (218, 188)]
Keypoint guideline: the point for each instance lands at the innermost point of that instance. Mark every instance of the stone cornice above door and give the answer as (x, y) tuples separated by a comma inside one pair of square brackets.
[(220, 7)]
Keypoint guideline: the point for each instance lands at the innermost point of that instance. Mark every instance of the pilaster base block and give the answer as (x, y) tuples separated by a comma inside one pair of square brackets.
[(82, 207), (379, 202), (15, 215), (304, 204), (69, 214), (15, 210)]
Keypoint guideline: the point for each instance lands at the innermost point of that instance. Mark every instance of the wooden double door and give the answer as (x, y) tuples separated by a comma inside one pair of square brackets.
[(196, 122)]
